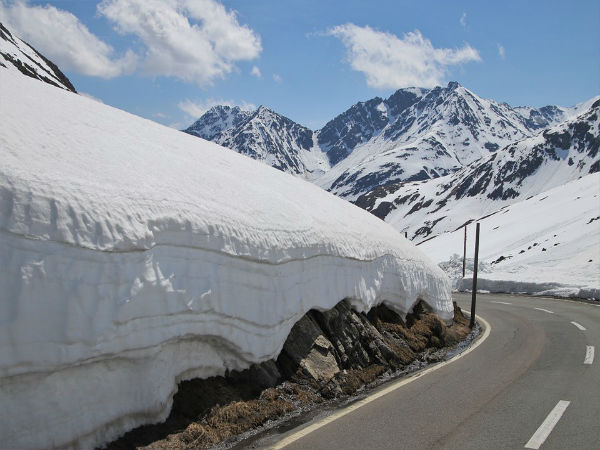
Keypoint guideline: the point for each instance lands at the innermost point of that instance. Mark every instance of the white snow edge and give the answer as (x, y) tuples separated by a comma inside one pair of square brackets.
[(135, 256)]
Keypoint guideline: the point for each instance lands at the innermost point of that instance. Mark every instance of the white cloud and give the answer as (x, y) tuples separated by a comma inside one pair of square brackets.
[(196, 108), (463, 20), (62, 38), (501, 51), (256, 72), (277, 78), (390, 62), (193, 40)]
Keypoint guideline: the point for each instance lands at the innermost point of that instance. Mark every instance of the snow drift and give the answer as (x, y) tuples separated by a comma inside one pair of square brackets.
[(548, 244), (135, 256)]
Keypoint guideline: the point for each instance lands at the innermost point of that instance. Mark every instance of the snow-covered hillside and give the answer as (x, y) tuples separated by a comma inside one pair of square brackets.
[(134, 256), (265, 136), (415, 134), (17, 55), (443, 131), (528, 167), (547, 244)]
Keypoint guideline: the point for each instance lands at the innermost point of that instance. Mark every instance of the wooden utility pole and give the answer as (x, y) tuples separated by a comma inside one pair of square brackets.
[(476, 262)]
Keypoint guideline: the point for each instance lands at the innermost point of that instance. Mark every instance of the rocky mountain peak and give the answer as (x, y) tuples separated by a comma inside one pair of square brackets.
[(16, 54)]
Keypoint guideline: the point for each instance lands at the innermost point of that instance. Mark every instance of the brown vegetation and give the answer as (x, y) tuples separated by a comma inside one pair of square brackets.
[(328, 355)]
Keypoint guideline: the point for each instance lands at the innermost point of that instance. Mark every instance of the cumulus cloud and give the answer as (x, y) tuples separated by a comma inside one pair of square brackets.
[(501, 51), (463, 20), (256, 72), (61, 37), (194, 40), (392, 62), (277, 78), (196, 108)]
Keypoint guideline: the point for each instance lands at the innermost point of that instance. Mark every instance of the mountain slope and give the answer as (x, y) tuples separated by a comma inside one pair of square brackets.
[(528, 167), (443, 131), (415, 134), (361, 122), (265, 136), (16, 54), (548, 244)]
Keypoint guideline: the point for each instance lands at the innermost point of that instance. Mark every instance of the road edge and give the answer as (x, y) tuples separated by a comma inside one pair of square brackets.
[(294, 436)]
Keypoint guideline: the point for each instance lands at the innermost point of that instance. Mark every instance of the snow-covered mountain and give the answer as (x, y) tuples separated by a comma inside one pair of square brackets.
[(548, 244), (263, 135), (528, 167), (415, 134), (363, 121), (18, 55), (444, 130), (130, 262)]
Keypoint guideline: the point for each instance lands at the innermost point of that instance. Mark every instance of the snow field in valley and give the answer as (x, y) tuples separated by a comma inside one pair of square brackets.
[(135, 256)]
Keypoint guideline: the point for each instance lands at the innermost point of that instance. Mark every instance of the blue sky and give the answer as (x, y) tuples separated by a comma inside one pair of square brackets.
[(168, 60)]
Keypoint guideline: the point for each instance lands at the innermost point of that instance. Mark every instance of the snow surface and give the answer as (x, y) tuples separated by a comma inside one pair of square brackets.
[(135, 256), (548, 244)]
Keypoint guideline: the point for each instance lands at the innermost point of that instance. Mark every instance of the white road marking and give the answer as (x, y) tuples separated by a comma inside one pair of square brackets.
[(545, 310), (502, 303), (589, 354), (547, 425), (294, 436), (578, 325)]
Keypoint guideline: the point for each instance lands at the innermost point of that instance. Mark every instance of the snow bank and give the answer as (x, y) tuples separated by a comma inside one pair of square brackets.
[(548, 244), (135, 256)]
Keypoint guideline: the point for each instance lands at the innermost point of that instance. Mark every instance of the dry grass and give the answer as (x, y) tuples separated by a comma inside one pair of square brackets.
[(208, 412)]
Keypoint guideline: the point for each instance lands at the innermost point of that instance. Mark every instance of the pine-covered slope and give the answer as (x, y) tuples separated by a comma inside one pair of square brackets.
[(16, 54), (528, 167)]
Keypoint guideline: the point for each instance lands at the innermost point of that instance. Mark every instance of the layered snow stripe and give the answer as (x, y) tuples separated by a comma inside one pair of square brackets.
[(135, 256)]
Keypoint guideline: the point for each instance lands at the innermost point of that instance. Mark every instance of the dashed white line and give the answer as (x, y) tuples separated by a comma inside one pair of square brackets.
[(545, 310), (589, 354), (547, 425), (578, 325), (502, 303)]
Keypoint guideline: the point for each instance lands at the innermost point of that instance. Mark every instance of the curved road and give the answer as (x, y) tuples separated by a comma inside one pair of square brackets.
[(532, 383)]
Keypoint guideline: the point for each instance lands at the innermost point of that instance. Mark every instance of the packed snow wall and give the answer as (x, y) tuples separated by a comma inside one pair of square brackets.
[(135, 256)]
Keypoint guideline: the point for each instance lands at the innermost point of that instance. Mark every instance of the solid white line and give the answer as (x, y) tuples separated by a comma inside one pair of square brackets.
[(547, 425), (589, 354), (398, 384), (578, 325), (502, 303), (545, 310)]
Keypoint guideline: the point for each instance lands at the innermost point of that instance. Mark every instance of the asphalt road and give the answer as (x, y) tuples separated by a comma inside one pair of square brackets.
[(529, 373)]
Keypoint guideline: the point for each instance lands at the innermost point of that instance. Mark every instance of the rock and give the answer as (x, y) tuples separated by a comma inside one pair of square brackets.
[(307, 349)]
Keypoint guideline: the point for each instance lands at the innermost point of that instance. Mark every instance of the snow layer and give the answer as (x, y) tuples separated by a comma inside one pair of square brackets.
[(135, 256), (548, 244)]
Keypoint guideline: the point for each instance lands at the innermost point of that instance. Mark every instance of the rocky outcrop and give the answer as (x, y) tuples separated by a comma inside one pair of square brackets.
[(327, 355)]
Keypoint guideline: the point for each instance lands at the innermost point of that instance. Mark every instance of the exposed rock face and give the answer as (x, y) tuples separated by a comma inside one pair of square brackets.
[(327, 355), (16, 54), (263, 135)]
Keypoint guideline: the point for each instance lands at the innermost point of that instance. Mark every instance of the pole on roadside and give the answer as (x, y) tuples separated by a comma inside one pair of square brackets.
[(476, 262), (465, 251)]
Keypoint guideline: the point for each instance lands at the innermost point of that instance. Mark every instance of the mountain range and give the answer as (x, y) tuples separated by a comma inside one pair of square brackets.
[(412, 158)]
